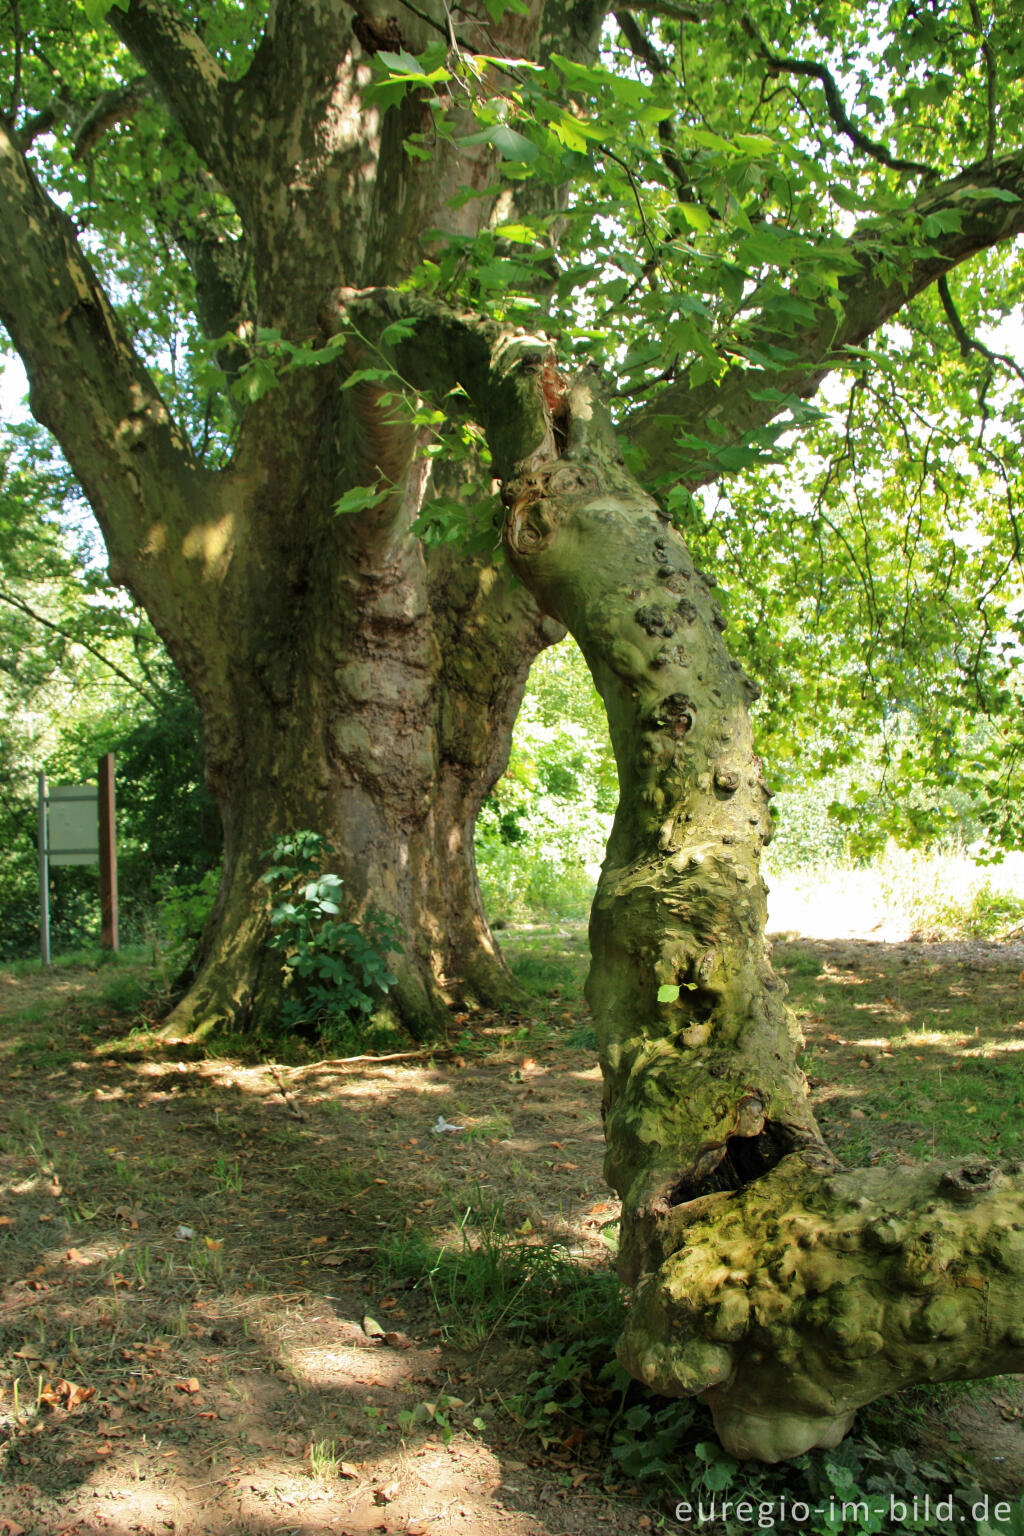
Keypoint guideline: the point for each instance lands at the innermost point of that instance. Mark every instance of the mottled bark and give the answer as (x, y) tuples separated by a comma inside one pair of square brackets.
[(381, 721), (347, 680), (784, 1291)]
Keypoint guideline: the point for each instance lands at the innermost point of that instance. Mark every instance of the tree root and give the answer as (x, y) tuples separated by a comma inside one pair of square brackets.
[(790, 1303)]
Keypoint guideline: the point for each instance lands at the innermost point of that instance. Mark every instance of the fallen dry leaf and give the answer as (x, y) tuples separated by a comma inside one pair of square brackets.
[(66, 1394), (372, 1328), (348, 1469), (398, 1340), (387, 1494), (191, 1386), (74, 1394), (8, 1221)]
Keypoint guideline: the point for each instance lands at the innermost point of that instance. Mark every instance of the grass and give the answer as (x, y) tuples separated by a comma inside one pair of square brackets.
[(488, 1278), (911, 1061), (484, 1248), (934, 894)]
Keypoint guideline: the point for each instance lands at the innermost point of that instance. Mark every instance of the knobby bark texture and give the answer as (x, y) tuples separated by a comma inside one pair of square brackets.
[(352, 683), (783, 1290)]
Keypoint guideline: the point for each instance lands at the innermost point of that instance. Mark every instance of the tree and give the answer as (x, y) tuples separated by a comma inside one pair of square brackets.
[(82, 673), (374, 213)]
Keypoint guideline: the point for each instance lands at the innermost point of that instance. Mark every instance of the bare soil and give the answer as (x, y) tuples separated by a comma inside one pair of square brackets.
[(197, 1334)]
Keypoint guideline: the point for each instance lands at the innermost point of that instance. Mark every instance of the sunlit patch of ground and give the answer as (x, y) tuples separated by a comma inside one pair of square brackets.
[(199, 1331)]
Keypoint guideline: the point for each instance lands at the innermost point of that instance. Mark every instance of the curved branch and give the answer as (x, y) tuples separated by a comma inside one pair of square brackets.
[(672, 429), (969, 343), (833, 101), (90, 387), (991, 78), (646, 52)]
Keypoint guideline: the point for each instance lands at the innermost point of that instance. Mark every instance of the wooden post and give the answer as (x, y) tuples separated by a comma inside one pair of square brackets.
[(108, 853), (44, 876)]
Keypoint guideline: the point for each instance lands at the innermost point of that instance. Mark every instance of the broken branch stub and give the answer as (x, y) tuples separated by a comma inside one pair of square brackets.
[(785, 1291)]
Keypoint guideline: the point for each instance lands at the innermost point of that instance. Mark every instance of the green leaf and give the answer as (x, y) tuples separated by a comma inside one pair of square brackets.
[(367, 375), (512, 145), (359, 498), (400, 63), (521, 234), (398, 330), (667, 993), (942, 222), (697, 217), (755, 143)]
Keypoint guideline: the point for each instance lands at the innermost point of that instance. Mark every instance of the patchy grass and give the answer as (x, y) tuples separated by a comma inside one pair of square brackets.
[(243, 1296), (910, 1058)]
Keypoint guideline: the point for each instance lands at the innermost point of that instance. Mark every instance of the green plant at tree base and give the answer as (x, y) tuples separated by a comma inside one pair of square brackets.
[(581, 1397), (336, 970)]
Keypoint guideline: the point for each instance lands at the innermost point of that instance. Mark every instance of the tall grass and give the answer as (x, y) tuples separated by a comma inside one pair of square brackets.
[(938, 893)]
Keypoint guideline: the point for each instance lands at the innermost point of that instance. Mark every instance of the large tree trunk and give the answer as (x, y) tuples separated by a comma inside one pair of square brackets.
[(785, 1291), (382, 723)]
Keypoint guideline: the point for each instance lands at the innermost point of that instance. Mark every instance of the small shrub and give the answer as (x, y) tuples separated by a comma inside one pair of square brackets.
[(336, 970)]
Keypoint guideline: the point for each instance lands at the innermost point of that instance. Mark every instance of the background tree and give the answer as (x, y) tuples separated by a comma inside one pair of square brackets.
[(83, 673), (253, 476)]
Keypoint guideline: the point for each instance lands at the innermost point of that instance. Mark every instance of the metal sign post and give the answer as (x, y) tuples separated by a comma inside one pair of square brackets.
[(76, 826)]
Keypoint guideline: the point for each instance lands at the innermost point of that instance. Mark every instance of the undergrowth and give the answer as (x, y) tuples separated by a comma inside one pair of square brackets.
[(579, 1399)]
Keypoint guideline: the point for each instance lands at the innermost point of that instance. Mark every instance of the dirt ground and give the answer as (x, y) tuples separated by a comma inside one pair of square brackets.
[(201, 1330)]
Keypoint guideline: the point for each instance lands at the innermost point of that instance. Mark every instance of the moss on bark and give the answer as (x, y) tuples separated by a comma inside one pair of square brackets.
[(786, 1292)]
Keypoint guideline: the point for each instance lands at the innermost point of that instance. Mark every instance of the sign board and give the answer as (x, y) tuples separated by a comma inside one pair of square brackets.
[(76, 826), (73, 827)]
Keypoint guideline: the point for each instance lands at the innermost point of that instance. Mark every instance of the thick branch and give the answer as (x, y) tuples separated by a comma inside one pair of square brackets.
[(495, 365), (887, 263), (88, 385), (784, 1290), (185, 74)]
